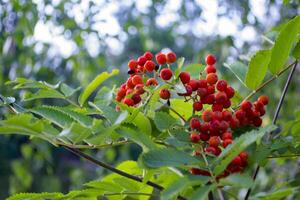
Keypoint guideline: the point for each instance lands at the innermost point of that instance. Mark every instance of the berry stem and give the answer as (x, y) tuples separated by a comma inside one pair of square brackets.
[(178, 114), (279, 105), (270, 80)]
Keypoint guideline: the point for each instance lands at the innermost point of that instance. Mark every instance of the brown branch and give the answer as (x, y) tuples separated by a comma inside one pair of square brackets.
[(115, 170)]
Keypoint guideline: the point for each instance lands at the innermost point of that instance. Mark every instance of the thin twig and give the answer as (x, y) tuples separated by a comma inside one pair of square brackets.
[(270, 80), (83, 146), (115, 170), (288, 81), (178, 114), (284, 156), (127, 193)]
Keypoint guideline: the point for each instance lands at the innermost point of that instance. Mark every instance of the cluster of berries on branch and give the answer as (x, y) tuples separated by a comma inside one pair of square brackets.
[(214, 120)]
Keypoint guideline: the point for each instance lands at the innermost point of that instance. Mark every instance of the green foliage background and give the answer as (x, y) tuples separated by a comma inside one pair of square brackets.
[(39, 167)]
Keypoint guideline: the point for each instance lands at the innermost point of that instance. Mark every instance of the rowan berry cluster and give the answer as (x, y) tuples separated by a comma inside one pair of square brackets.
[(213, 121), (140, 71)]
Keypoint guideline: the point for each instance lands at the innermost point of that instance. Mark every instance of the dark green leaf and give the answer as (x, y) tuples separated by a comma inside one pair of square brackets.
[(238, 180), (163, 121), (67, 90), (296, 51), (202, 192), (239, 70)]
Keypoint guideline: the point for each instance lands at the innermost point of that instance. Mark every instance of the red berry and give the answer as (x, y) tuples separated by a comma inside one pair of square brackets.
[(214, 141), (240, 114), (197, 171), (205, 128), (207, 115), (128, 102), (151, 81), (171, 57), (202, 83), (211, 78), (221, 85), (258, 105), (213, 150), (229, 92), (161, 58), (132, 64), (217, 107), (227, 142), (246, 105), (136, 98), (195, 137), (234, 123), (244, 156), (217, 115), (139, 89), (148, 55), (149, 65), (227, 135), (202, 92), (262, 111), (129, 91), (137, 79), (197, 106), (263, 99), (257, 121), (221, 97), (129, 83), (119, 98), (226, 115), (210, 69), (211, 89), (166, 74), (121, 92), (194, 84), (204, 136), (195, 124), (184, 77), (164, 94), (224, 125), (214, 126), (141, 60), (237, 161), (189, 91), (210, 59), (227, 103), (209, 99)]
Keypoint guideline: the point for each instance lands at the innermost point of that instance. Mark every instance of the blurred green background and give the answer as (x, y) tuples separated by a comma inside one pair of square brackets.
[(74, 40)]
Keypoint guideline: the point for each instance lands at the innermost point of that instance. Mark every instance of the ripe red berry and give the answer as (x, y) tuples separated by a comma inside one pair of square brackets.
[(137, 79), (149, 65), (209, 99), (194, 84), (164, 94), (197, 106), (195, 123), (211, 89), (121, 92), (166, 74), (229, 92), (171, 57), (227, 135), (118, 98), (227, 142), (205, 128), (244, 156), (211, 78), (213, 150), (128, 102), (246, 105), (195, 137), (161, 58), (202, 83), (226, 115), (263, 99), (221, 85), (151, 82), (217, 107), (217, 115), (214, 141), (224, 126), (148, 55), (257, 121), (136, 98), (227, 103), (189, 91), (139, 89), (129, 91), (258, 105), (184, 77), (132, 64), (204, 136), (221, 98), (202, 92), (129, 83), (210, 59), (237, 161), (240, 114), (210, 69), (141, 60), (202, 172), (234, 123), (207, 115)]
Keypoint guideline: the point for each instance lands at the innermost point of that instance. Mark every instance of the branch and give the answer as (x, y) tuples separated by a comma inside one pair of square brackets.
[(82, 146), (115, 170), (284, 156), (127, 193), (270, 80), (279, 105)]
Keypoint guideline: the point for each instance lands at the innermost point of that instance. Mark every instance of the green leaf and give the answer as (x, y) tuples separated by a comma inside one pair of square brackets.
[(239, 144), (104, 96), (95, 84), (137, 136), (296, 51), (238, 180), (169, 157), (43, 94), (283, 45), (67, 90), (185, 109), (239, 69), (180, 62), (163, 120), (143, 123), (202, 192), (181, 184), (52, 114), (35, 196), (76, 133), (278, 194), (258, 67)]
